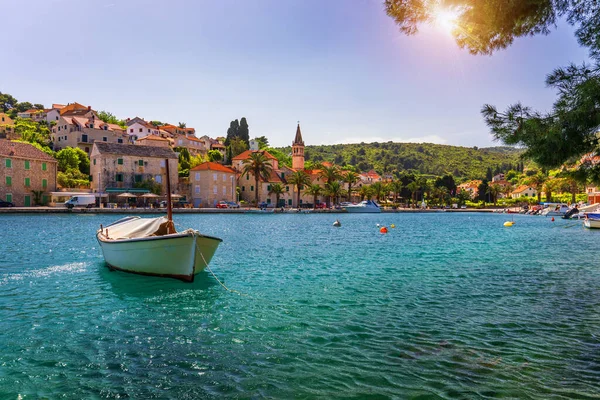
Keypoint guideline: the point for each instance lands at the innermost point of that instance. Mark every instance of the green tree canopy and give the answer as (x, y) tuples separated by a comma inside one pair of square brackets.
[(552, 138), (214, 155)]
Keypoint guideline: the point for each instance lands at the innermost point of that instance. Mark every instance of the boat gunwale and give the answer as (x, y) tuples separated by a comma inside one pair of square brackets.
[(150, 238)]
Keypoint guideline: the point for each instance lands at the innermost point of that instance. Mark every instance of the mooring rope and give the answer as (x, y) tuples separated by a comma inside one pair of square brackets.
[(208, 267)]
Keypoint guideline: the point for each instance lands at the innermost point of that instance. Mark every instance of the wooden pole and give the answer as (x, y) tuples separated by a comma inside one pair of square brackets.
[(170, 225)]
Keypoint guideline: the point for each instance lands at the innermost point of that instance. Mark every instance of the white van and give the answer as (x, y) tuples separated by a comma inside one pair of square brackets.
[(82, 200)]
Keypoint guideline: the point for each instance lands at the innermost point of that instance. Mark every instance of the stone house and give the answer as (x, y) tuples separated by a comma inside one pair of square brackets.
[(175, 130), (137, 128), (472, 187), (116, 167), (7, 127), (152, 140), (194, 145), (34, 114), (24, 169), (212, 182), (523, 191), (82, 130)]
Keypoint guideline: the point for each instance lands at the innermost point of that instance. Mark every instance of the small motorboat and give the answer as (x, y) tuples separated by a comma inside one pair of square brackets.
[(592, 221), (367, 206)]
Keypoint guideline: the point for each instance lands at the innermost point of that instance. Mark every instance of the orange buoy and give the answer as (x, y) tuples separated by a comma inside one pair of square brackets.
[(552, 219), (383, 230)]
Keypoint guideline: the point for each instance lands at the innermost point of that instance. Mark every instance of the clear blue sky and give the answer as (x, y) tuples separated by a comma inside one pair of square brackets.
[(340, 67)]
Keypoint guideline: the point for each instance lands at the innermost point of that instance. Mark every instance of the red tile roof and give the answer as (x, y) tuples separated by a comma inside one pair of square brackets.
[(213, 166), (246, 154), (22, 150)]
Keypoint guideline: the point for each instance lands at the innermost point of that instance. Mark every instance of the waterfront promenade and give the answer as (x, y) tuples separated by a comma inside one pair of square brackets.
[(60, 210)]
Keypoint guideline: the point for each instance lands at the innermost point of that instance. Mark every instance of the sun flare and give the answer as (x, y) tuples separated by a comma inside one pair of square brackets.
[(446, 19)]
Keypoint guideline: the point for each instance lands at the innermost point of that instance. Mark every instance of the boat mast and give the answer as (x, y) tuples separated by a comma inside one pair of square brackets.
[(170, 225)]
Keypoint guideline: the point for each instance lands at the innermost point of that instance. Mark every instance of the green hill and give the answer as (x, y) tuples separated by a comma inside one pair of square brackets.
[(424, 158)]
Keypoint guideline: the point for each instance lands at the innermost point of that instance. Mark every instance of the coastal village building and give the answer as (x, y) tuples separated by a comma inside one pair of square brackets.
[(23, 170), (523, 191), (152, 140), (34, 114), (280, 175), (175, 130), (83, 129), (190, 142), (472, 187), (212, 182), (7, 127), (117, 168), (593, 194), (137, 128)]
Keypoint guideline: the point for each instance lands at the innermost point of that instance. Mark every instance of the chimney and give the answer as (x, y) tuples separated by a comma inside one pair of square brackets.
[(12, 149), (89, 108)]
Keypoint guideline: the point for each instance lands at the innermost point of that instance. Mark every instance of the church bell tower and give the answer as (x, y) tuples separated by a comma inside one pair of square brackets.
[(298, 150)]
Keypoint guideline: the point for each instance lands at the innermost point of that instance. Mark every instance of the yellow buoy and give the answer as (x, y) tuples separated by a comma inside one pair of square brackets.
[(509, 223), (392, 226)]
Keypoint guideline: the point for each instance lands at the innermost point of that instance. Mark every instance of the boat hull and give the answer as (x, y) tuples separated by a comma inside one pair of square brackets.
[(360, 209), (180, 255), (592, 223)]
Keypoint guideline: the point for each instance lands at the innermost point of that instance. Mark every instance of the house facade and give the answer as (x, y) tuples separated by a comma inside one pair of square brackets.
[(83, 130), (152, 140), (138, 128), (472, 187), (23, 171), (523, 191), (190, 142), (212, 182), (118, 167), (7, 127)]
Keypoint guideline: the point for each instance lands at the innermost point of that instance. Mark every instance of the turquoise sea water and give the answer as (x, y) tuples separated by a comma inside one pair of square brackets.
[(444, 306)]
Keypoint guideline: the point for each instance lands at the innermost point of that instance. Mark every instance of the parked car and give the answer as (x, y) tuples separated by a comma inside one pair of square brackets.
[(222, 204), (345, 203), (6, 204), (231, 204), (321, 205)]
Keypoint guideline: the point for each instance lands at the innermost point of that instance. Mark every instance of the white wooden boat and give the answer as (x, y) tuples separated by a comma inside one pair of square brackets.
[(143, 246), (152, 246), (591, 223), (367, 206)]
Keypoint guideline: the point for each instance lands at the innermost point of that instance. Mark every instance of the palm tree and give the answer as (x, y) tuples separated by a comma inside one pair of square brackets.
[(351, 178), (365, 192), (330, 174), (259, 165), (182, 125), (507, 190), (277, 189), (537, 181), (412, 188), (378, 189), (300, 179), (396, 188), (333, 190), (314, 190), (494, 189)]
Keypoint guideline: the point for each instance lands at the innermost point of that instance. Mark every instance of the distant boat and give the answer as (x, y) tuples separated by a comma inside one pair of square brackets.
[(555, 209), (367, 206), (152, 246)]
